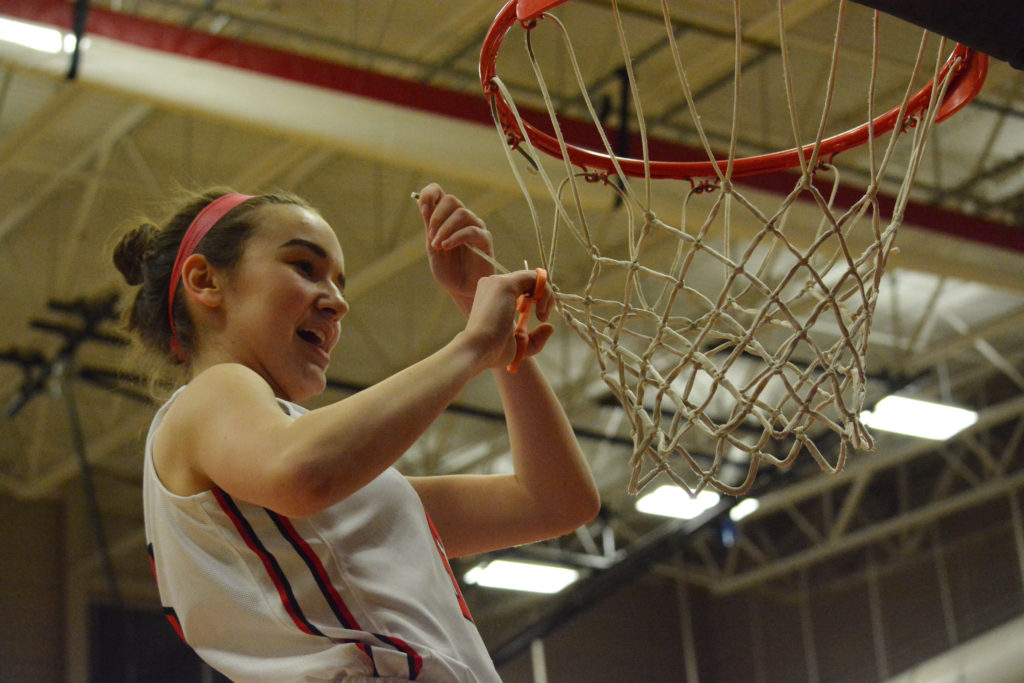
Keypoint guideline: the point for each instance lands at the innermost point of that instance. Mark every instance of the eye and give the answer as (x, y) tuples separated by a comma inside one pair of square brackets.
[(305, 267)]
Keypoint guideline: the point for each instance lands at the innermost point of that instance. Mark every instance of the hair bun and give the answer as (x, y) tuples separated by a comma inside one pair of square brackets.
[(131, 252)]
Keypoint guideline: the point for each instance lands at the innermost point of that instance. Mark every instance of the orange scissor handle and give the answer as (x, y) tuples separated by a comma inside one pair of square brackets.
[(524, 305)]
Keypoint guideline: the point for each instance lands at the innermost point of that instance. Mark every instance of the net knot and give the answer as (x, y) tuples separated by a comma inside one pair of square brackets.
[(595, 176), (738, 332)]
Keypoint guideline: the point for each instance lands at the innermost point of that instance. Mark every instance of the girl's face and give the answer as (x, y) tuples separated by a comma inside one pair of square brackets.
[(284, 300)]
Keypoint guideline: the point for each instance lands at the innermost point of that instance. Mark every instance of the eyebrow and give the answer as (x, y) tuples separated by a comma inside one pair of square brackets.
[(317, 250)]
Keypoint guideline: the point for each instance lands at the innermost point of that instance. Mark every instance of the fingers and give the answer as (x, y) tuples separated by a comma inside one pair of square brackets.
[(538, 338), (546, 303), (530, 343), (526, 283), (545, 299), (452, 234), (449, 223), (449, 226), (427, 199)]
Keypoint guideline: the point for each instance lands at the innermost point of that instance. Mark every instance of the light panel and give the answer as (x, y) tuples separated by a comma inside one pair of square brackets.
[(743, 508), (671, 501), (32, 36), (522, 576), (918, 418)]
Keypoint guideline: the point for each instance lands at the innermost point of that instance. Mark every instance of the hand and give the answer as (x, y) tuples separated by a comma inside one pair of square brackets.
[(493, 317), (451, 229)]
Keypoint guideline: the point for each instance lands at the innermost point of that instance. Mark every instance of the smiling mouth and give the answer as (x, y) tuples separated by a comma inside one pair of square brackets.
[(311, 337)]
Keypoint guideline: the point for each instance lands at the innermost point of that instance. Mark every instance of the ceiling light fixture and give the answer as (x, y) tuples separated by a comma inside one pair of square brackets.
[(34, 37), (918, 418), (522, 576), (671, 501), (744, 508)]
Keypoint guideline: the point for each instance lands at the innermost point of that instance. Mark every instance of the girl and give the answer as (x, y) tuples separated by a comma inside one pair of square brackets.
[(285, 545)]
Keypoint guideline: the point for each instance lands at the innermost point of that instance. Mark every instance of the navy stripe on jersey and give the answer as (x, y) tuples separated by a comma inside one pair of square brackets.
[(317, 569), (172, 617), (319, 572), (413, 658), (270, 563), (334, 599), (373, 662)]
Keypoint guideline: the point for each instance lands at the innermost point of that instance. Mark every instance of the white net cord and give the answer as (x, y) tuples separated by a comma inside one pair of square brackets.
[(725, 353)]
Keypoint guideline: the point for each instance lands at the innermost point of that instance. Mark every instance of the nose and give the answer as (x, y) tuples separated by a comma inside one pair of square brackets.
[(333, 302)]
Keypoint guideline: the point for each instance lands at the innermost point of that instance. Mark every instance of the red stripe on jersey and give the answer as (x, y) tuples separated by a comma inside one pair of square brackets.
[(169, 612), (288, 600), (172, 617), (448, 567), (269, 563), (334, 598)]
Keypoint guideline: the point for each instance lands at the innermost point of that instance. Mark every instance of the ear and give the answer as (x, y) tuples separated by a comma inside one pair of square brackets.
[(202, 281)]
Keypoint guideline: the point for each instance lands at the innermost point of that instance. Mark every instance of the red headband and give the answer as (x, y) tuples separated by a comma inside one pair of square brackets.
[(201, 224)]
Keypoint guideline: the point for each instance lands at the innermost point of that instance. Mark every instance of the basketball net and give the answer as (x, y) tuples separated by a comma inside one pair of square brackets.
[(725, 354)]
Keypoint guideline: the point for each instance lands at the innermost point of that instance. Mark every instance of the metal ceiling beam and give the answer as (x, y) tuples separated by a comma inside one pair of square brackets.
[(792, 494), (475, 15), (267, 167), (5, 87), (120, 127), (655, 547), (905, 521), (37, 130), (452, 105), (719, 62), (65, 266), (985, 349), (986, 478), (49, 482), (289, 32)]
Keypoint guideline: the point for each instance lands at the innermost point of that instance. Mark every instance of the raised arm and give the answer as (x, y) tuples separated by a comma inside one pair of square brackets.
[(551, 491), (227, 430)]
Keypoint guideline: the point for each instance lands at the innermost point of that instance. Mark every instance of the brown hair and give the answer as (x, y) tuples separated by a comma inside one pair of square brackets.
[(146, 254)]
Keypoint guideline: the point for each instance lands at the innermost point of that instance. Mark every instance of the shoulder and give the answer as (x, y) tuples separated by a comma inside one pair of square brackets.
[(226, 378), (225, 396), (215, 402)]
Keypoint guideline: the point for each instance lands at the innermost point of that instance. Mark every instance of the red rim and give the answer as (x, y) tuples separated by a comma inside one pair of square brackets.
[(970, 67)]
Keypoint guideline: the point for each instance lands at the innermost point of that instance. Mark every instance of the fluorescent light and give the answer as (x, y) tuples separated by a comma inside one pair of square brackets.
[(918, 418), (70, 41), (671, 501), (522, 576), (743, 508), (32, 36)]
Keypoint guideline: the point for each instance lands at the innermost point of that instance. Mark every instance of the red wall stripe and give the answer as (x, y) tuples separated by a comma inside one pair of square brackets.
[(155, 35)]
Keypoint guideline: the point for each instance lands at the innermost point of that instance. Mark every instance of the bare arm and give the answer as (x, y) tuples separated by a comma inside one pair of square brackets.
[(552, 490), (227, 430)]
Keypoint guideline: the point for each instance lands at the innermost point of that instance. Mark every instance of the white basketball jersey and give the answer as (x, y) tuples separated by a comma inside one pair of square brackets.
[(360, 591)]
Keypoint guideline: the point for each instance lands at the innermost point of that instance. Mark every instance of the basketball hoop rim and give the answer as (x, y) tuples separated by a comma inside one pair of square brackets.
[(970, 68)]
